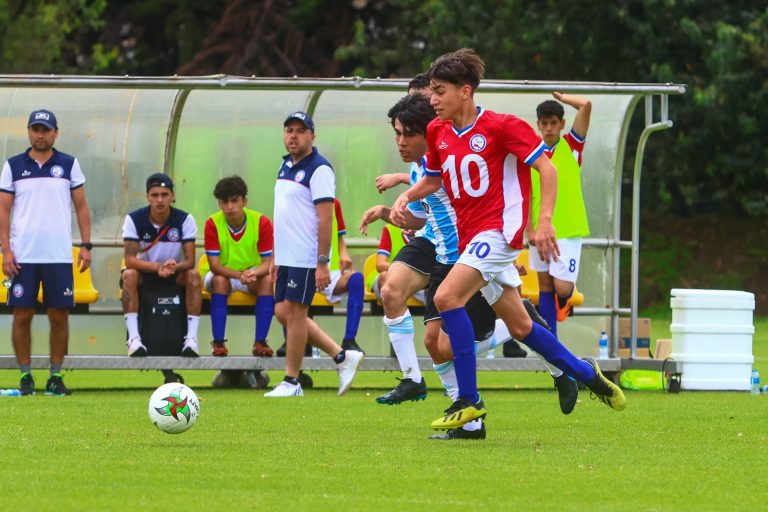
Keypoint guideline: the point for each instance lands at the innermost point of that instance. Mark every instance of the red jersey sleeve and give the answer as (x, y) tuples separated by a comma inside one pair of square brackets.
[(576, 143), (339, 217), (521, 140), (211, 244), (266, 238), (385, 243)]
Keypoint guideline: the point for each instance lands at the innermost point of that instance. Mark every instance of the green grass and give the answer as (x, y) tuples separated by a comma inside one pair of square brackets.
[(97, 449)]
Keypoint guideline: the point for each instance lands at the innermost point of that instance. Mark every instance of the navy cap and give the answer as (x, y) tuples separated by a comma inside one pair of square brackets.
[(303, 117), (159, 180), (43, 117)]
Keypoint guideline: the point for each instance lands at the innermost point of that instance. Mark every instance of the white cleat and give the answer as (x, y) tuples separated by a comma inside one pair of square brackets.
[(190, 348), (285, 389), (348, 369), (136, 348)]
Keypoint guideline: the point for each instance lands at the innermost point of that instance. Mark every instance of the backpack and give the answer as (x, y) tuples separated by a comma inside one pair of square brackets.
[(162, 317)]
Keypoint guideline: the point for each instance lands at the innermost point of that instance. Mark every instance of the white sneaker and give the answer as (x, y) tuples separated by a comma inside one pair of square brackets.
[(348, 369), (190, 348), (136, 348), (285, 389)]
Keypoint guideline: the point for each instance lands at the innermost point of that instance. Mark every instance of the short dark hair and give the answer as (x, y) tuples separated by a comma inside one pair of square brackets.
[(231, 186), (462, 67), (550, 108), (420, 81), (414, 112)]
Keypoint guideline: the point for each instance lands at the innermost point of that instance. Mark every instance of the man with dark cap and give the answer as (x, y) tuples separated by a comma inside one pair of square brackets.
[(40, 186), (159, 243)]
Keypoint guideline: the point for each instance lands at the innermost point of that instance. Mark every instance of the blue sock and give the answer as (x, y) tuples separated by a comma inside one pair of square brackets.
[(218, 315), (550, 348), (264, 309), (547, 310), (355, 292), (462, 336)]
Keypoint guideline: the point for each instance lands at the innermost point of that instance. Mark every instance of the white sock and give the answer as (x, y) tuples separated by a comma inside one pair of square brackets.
[(132, 323), (554, 370), (447, 374), (482, 347), (501, 332), (401, 336), (192, 323), (473, 425)]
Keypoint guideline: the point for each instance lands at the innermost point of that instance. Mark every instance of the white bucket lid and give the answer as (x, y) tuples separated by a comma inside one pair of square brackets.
[(683, 298)]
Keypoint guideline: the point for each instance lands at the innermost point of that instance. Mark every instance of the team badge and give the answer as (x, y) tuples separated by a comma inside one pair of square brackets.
[(443, 145), (173, 235), (299, 176), (477, 143), (18, 290), (57, 171)]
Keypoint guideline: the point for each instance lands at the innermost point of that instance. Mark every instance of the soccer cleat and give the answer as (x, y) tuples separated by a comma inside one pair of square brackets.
[(460, 412), (512, 348), (27, 385), (261, 349), (348, 369), (136, 348), (563, 311), (285, 389), (567, 391), (55, 386), (351, 345), (605, 390), (171, 377), (404, 391), (281, 351), (190, 348), (534, 313), (219, 348), (460, 433)]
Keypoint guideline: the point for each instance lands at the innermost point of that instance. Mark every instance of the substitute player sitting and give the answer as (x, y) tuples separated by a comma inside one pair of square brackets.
[(238, 244)]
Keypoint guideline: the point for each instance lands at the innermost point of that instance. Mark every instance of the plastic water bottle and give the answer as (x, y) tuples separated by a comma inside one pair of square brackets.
[(10, 392), (755, 382), (603, 346)]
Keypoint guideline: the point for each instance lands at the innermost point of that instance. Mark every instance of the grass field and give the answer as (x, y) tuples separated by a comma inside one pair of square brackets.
[(97, 450)]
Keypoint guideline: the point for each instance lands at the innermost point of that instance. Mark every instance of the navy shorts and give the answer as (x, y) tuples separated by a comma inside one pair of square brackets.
[(295, 284), (419, 254), (58, 285)]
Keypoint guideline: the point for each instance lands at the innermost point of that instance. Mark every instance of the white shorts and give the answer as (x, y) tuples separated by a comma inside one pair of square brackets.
[(328, 291), (566, 268), (237, 286), (490, 254)]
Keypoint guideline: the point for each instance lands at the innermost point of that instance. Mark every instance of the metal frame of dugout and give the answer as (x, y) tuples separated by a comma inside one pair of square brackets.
[(655, 119)]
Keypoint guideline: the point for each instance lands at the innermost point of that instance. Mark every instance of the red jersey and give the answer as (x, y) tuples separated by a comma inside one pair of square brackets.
[(342, 228), (574, 141), (266, 242), (486, 172)]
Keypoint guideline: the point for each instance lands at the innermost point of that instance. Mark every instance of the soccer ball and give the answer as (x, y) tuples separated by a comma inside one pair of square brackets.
[(173, 408)]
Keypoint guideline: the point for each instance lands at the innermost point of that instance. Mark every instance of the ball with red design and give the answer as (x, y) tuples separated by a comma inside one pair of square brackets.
[(174, 408)]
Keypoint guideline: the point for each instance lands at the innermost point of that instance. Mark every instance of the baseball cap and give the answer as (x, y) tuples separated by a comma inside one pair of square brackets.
[(159, 180), (303, 117), (43, 117)]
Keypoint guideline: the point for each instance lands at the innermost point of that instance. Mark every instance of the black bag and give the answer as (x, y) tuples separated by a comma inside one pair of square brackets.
[(162, 317)]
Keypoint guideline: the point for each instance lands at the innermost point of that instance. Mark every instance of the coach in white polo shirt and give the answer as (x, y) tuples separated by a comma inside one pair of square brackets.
[(40, 186), (304, 193)]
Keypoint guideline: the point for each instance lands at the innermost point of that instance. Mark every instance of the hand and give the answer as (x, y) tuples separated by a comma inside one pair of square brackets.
[(322, 276), (546, 241), (521, 270), (372, 214), (386, 181), (84, 259), (10, 267), (397, 213), (248, 276), (345, 263), (167, 269)]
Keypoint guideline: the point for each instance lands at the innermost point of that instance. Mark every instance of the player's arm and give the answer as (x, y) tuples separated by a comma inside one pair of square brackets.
[(345, 262), (188, 247), (382, 263), (583, 111), (83, 215), (425, 186), (214, 262), (382, 212), (132, 261), (545, 238), (387, 181)]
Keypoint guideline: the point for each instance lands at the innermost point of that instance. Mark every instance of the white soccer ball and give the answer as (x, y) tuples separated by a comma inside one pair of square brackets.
[(173, 408)]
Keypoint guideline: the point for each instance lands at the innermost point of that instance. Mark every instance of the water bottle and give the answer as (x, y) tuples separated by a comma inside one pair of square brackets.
[(603, 346), (10, 392), (315, 352), (755, 382)]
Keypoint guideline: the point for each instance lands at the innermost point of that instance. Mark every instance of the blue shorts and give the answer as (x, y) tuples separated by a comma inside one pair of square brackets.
[(58, 285), (295, 284)]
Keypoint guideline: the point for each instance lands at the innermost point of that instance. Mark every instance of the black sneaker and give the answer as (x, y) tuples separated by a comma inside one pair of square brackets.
[(534, 314), (567, 391), (351, 345), (406, 390), (281, 351), (171, 377), (55, 386), (513, 349), (27, 385), (460, 433)]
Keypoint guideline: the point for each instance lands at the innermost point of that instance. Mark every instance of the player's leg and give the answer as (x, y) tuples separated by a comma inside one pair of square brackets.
[(352, 284), (190, 280), (219, 287), (547, 304), (130, 280), (22, 297), (347, 360), (58, 297), (264, 311), (564, 273)]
